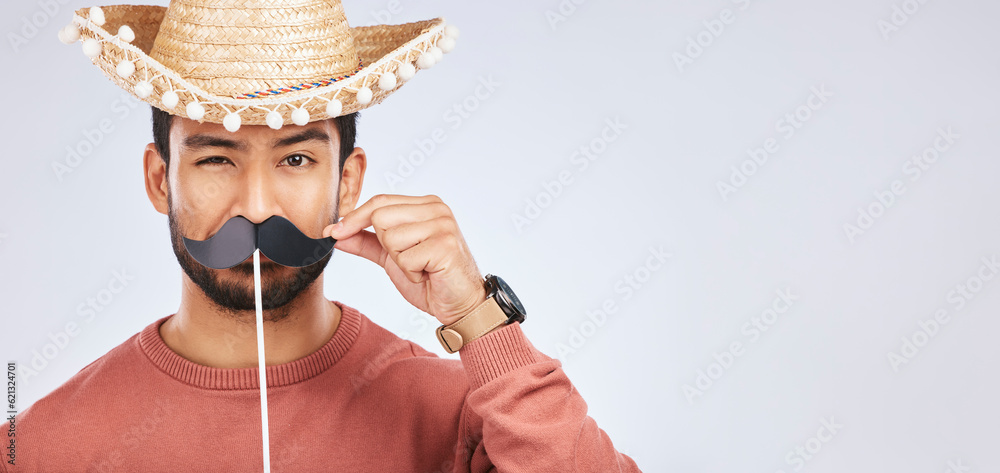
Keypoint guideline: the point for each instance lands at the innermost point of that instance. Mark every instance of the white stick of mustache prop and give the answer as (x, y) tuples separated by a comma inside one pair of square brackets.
[(260, 362)]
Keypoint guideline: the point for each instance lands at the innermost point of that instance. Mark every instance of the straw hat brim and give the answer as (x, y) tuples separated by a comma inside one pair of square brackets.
[(389, 54)]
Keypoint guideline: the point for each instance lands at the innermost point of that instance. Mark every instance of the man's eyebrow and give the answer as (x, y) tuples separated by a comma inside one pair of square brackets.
[(306, 135), (210, 141)]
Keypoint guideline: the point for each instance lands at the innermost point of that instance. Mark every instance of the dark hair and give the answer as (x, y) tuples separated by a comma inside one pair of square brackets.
[(347, 128)]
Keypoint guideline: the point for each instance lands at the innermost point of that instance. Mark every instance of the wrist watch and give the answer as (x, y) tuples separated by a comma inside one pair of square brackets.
[(501, 307)]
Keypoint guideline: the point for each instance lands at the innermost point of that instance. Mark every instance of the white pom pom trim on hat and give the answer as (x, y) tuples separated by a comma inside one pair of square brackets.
[(274, 120), (300, 116), (125, 68), (425, 60), (232, 121), (69, 34), (126, 34), (406, 71), (169, 99), (92, 47), (334, 107), (195, 111), (143, 89), (451, 31), (97, 16), (364, 96), (387, 81), (446, 43)]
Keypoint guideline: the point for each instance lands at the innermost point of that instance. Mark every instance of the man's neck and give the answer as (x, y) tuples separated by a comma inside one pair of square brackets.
[(202, 333)]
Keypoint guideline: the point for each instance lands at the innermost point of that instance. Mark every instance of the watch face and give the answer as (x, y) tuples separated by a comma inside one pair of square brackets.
[(510, 296)]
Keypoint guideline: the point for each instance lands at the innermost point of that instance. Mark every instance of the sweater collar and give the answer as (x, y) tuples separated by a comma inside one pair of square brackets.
[(191, 373)]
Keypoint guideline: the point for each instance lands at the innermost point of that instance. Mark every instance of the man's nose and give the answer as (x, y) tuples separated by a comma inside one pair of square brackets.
[(257, 200)]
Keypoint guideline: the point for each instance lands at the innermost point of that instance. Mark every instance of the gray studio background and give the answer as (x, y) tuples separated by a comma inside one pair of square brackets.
[(853, 372)]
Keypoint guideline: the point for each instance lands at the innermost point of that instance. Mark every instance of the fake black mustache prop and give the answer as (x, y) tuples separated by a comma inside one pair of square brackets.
[(277, 237)]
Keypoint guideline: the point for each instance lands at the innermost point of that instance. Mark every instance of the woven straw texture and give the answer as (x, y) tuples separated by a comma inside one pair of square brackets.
[(250, 46), (255, 44)]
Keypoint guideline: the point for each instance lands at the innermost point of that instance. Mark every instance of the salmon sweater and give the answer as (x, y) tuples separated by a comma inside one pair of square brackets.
[(366, 401)]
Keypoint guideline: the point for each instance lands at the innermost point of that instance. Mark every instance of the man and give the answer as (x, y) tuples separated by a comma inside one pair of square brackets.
[(343, 393)]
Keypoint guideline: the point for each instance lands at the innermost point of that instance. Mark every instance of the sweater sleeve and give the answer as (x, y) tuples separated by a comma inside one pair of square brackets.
[(525, 413)]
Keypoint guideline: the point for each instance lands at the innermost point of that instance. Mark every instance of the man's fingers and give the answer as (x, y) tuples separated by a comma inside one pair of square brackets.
[(424, 256), (364, 244), (402, 237), (361, 217), (394, 215)]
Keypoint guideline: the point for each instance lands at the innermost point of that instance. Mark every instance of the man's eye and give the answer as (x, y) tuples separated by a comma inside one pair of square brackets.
[(297, 160), (214, 160)]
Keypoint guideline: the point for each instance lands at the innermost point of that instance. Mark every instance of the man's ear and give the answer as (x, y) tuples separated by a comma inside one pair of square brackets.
[(155, 172), (351, 178)]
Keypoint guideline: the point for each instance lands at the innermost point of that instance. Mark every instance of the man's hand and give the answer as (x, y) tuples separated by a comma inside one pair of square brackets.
[(418, 243)]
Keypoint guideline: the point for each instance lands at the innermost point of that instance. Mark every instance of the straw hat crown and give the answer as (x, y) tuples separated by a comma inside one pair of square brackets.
[(246, 45)]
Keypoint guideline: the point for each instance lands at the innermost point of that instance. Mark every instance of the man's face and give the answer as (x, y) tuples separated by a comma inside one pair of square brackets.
[(256, 172)]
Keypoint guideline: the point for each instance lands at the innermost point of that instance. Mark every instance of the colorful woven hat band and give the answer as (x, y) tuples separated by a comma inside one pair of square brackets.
[(261, 63)]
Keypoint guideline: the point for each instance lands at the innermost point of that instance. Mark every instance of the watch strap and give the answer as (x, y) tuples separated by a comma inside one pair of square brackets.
[(486, 317)]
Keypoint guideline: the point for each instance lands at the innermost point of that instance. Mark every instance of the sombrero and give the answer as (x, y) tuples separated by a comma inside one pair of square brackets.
[(255, 62)]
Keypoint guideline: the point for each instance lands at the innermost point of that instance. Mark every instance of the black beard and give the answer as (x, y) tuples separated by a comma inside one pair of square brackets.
[(237, 296)]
